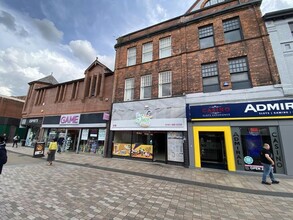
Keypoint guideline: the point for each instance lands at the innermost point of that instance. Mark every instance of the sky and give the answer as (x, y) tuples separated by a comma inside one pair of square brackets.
[(63, 37)]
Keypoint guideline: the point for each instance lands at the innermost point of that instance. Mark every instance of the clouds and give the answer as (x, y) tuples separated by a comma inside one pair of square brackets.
[(8, 21), (64, 37), (48, 30), (83, 50)]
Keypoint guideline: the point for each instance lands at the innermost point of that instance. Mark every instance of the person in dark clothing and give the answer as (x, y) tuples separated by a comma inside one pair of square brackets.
[(267, 162), (3, 153), (60, 142)]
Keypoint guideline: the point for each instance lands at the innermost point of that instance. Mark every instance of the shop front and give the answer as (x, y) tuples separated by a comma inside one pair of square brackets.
[(231, 136), (33, 128), (152, 130), (80, 133)]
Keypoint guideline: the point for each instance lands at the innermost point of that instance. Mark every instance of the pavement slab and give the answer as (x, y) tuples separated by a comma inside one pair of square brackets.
[(81, 186)]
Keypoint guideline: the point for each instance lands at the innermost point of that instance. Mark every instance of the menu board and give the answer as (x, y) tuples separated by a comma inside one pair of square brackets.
[(175, 146)]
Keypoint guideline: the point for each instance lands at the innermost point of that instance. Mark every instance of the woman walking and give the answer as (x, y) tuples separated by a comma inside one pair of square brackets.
[(52, 150)]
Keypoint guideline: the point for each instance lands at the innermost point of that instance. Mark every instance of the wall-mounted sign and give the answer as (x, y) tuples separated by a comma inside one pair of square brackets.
[(238, 111), (69, 119), (106, 116)]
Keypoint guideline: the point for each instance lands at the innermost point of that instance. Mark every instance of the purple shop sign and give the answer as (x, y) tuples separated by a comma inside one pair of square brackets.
[(69, 119), (106, 116)]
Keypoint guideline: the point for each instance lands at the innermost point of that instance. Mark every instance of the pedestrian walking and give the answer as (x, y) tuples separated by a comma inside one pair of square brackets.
[(3, 153), (15, 140), (60, 142), (268, 163), (52, 151), (5, 138)]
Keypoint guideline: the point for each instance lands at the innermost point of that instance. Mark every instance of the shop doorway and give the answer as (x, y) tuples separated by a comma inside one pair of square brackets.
[(212, 150), (160, 147), (71, 140), (221, 139)]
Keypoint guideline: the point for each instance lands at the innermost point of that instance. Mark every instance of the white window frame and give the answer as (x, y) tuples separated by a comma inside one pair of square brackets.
[(147, 52), (165, 47), (131, 56), (145, 82), (129, 89), (164, 79)]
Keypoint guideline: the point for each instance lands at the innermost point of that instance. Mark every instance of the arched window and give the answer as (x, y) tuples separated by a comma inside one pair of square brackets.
[(213, 2)]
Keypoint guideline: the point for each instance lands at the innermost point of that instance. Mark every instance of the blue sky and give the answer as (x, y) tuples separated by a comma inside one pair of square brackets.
[(63, 37)]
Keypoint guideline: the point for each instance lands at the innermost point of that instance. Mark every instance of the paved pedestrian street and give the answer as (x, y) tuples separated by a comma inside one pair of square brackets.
[(73, 190)]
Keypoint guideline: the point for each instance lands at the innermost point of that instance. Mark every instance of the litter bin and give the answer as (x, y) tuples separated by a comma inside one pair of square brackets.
[(22, 141)]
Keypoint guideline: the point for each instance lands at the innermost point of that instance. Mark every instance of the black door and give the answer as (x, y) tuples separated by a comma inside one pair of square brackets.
[(212, 150), (160, 146)]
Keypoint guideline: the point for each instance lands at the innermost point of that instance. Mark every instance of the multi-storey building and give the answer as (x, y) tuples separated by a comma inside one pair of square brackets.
[(280, 28), (76, 110), (216, 62), (10, 115)]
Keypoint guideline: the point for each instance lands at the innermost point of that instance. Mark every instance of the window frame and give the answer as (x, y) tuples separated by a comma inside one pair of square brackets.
[(232, 30), (211, 3), (131, 89), (146, 53), (163, 49), (131, 57), (202, 36), (216, 87), (291, 27), (143, 86), (162, 84), (245, 70)]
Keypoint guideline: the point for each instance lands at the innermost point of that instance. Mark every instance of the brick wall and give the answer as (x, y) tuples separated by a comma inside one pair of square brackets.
[(187, 58), (10, 108), (70, 103)]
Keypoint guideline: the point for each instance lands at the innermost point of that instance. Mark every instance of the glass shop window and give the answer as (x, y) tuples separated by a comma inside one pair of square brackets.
[(122, 143), (253, 139)]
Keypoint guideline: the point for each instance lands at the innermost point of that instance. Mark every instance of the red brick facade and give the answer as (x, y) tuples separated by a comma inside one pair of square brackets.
[(90, 94), (187, 57)]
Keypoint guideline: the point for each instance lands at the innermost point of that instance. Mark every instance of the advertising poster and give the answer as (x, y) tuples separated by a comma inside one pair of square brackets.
[(84, 134), (102, 134), (142, 151), (175, 146), (39, 149), (121, 149)]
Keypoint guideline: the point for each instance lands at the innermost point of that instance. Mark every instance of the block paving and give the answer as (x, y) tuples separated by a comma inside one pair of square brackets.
[(81, 186)]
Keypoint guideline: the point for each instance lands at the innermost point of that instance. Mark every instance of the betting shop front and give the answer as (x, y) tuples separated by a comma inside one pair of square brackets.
[(231, 136)]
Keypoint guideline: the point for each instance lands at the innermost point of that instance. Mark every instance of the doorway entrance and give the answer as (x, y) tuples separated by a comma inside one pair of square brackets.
[(217, 146), (71, 140), (212, 150), (160, 146)]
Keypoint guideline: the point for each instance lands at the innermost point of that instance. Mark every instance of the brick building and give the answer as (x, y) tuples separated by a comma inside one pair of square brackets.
[(10, 115), (213, 59), (76, 110)]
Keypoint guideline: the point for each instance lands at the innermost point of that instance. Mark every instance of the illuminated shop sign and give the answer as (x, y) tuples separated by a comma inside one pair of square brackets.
[(261, 110), (69, 119)]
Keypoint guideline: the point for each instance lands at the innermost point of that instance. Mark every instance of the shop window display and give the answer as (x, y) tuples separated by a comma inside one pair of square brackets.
[(122, 143), (252, 140), (142, 145)]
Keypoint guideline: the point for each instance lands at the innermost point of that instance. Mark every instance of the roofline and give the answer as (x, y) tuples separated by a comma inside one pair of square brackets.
[(185, 23), (94, 64), (58, 84), (285, 13), (12, 98)]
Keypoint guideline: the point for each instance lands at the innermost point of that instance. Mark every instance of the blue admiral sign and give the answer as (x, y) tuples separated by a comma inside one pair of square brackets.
[(241, 111)]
